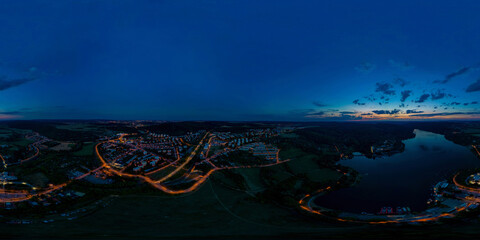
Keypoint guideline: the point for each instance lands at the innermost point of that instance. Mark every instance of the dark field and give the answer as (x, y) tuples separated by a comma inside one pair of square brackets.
[(254, 202)]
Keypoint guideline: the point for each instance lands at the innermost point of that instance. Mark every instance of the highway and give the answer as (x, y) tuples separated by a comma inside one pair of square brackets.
[(189, 158)]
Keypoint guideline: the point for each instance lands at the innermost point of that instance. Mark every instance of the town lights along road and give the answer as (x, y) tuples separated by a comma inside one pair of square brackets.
[(305, 204), (192, 155), (157, 183), (45, 191), (48, 190), (476, 149)]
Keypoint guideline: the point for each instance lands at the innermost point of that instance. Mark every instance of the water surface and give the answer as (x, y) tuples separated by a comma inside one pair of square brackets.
[(404, 179)]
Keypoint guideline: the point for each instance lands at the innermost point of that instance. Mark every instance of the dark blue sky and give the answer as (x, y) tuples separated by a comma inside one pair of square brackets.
[(240, 60)]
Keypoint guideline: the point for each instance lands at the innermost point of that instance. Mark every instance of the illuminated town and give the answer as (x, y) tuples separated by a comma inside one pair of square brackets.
[(182, 164)]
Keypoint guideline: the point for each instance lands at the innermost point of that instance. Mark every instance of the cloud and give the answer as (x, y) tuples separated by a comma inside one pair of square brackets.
[(9, 117), (348, 117), (319, 104), (341, 117), (370, 98), (390, 112), (10, 113), (316, 113), (400, 81), (334, 115), (405, 95), (291, 114), (438, 95), (357, 102), (401, 65), (302, 111), (449, 77), (413, 111), (366, 67), (385, 88), (422, 98), (6, 84), (444, 114), (474, 87)]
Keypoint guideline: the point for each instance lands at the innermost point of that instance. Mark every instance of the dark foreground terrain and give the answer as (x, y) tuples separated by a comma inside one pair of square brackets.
[(220, 180)]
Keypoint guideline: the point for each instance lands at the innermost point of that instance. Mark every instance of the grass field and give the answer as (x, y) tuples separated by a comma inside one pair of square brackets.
[(472, 130), (323, 175), (5, 135), (63, 146), (214, 212), (77, 127), (289, 135), (211, 211), (301, 161), (37, 179), (87, 150), (164, 172), (16, 145), (252, 179)]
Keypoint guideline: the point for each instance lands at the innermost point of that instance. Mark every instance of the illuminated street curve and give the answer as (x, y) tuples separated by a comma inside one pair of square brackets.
[(157, 183), (305, 204)]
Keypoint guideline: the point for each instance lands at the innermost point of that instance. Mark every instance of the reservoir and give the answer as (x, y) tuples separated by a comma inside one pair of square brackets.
[(403, 180)]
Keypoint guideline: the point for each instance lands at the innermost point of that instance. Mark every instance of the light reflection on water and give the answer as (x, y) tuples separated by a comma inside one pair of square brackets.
[(404, 179)]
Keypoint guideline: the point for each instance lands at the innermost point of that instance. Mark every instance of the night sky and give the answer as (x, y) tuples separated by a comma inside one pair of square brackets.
[(240, 60)]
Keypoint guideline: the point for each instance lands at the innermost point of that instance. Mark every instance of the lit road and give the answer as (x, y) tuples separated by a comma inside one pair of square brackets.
[(46, 191), (198, 180), (305, 204), (189, 158)]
